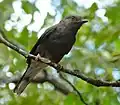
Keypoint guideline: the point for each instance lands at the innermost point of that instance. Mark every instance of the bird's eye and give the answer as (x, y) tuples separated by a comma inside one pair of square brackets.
[(73, 17)]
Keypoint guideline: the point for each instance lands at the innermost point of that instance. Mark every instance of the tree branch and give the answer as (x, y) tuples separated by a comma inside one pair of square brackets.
[(6, 42), (58, 67), (41, 77)]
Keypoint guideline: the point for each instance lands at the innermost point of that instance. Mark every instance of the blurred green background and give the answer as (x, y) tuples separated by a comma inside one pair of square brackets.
[(23, 21)]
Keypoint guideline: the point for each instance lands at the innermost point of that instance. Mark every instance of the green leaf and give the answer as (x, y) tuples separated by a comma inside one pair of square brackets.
[(4, 54), (72, 99), (28, 7), (113, 13)]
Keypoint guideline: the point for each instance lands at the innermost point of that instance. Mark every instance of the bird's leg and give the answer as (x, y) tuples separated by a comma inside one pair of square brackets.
[(37, 58), (60, 68), (42, 59)]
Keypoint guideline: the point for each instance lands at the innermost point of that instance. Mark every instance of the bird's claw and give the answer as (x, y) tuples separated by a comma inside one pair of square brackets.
[(59, 68), (37, 57)]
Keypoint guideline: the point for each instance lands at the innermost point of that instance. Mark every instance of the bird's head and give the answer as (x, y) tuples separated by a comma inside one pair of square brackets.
[(74, 20)]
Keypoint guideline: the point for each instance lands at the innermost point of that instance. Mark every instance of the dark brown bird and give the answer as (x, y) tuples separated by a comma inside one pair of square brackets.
[(55, 42)]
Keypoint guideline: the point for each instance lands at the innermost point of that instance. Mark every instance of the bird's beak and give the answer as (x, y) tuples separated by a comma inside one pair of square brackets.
[(84, 21)]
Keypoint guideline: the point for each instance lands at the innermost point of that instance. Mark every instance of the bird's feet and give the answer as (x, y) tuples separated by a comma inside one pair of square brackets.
[(59, 68), (37, 58)]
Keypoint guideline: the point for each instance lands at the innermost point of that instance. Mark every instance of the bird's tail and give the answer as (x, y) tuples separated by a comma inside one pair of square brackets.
[(21, 86), (29, 74), (22, 83)]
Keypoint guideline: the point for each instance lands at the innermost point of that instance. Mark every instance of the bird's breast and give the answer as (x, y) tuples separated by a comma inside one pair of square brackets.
[(59, 44)]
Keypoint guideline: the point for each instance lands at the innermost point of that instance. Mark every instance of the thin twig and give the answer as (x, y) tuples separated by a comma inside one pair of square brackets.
[(74, 88)]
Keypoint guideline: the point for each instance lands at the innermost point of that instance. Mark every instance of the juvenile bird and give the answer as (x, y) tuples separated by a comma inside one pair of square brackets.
[(55, 42)]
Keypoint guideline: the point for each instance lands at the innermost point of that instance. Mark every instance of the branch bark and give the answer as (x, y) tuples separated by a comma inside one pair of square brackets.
[(43, 77), (59, 68)]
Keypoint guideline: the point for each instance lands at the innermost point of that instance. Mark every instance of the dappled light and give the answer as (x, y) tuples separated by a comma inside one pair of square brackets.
[(95, 54)]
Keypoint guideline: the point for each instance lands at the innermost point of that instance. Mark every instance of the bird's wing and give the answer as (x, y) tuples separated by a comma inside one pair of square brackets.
[(21, 85), (44, 36)]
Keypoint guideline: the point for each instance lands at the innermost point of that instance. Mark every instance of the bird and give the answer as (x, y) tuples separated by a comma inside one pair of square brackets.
[(53, 44)]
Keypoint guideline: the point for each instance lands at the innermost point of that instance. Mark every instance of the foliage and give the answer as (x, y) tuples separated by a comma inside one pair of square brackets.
[(96, 42)]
